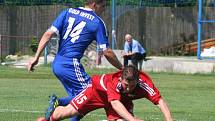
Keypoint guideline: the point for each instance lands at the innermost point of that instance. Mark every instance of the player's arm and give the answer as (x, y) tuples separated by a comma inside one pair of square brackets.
[(150, 91), (122, 111), (135, 49), (45, 38), (131, 53), (111, 57), (54, 29), (103, 44), (165, 110), (114, 97)]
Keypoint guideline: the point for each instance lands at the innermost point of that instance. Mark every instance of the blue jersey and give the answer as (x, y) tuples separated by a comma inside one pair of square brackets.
[(77, 28)]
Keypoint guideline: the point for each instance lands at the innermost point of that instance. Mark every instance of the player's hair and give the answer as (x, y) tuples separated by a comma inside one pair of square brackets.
[(130, 73), (88, 2)]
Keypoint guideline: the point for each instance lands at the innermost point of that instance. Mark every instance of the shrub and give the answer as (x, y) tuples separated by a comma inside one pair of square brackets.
[(34, 44)]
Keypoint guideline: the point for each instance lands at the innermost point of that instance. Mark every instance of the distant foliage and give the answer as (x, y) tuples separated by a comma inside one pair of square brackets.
[(34, 44)]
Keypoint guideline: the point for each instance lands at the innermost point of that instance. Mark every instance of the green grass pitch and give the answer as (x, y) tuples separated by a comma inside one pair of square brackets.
[(24, 96)]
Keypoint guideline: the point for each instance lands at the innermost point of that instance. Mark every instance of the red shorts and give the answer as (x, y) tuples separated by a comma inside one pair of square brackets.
[(88, 100)]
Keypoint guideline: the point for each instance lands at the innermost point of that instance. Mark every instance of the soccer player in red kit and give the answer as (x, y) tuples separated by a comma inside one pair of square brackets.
[(114, 92), (143, 88)]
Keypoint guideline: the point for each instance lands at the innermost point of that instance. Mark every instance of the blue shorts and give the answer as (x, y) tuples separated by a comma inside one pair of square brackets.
[(71, 73)]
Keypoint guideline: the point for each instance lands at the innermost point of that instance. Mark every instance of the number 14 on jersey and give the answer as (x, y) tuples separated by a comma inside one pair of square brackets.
[(75, 32)]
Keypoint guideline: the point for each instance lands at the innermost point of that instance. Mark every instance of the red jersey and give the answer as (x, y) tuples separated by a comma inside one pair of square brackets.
[(111, 88), (104, 88), (107, 87), (144, 89)]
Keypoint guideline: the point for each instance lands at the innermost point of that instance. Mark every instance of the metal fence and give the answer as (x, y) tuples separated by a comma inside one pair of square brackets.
[(15, 45), (147, 3), (156, 26), (41, 2)]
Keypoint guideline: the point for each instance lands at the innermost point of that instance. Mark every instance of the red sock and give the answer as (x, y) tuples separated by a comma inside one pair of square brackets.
[(52, 118)]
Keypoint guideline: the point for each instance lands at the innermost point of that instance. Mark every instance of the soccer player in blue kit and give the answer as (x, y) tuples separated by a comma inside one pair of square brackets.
[(77, 28)]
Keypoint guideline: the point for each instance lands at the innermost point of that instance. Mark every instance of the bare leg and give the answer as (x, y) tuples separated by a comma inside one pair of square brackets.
[(64, 112)]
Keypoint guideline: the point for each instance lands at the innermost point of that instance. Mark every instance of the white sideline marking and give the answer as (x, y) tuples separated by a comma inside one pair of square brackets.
[(25, 111)]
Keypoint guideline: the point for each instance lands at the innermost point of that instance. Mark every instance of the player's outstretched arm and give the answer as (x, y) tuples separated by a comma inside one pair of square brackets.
[(45, 38), (122, 111), (111, 57), (165, 110)]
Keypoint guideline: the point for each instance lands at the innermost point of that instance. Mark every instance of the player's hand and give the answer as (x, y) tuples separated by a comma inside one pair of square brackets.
[(31, 64), (123, 54)]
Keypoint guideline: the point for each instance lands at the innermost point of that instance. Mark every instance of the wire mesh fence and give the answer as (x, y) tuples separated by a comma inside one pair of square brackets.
[(76, 3), (41, 2), (159, 25), (19, 45)]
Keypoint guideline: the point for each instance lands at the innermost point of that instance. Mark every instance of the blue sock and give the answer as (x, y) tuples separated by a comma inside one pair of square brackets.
[(64, 101), (76, 118)]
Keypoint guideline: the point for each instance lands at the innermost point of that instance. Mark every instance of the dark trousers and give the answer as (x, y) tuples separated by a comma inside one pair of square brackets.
[(135, 58)]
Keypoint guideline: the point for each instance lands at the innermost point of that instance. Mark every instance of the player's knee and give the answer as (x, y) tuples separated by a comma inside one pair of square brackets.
[(71, 111), (64, 112)]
